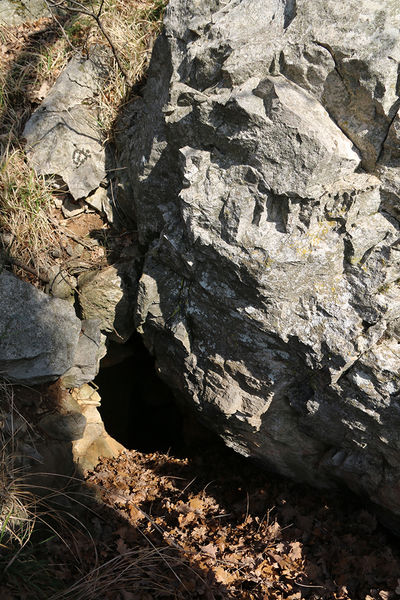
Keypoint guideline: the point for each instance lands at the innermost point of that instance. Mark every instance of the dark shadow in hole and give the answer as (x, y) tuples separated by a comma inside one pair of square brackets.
[(137, 408)]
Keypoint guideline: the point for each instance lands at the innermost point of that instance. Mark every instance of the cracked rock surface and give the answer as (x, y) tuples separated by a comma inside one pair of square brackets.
[(264, 172), (63, 135)]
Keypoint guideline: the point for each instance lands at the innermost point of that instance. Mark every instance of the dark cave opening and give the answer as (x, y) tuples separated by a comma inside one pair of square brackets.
[(138, 409)]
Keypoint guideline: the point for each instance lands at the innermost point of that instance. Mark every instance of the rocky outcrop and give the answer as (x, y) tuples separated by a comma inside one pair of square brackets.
[(63, 135), (41, 338), (264, 171), (89, 350), (38, 334)]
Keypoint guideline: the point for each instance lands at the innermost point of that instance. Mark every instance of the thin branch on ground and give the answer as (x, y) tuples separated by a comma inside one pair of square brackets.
[(76, 8)]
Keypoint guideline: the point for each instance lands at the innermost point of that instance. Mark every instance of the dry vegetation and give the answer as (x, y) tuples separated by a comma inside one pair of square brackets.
[(32, 56)]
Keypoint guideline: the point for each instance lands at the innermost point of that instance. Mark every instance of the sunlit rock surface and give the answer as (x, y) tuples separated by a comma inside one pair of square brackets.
[(63, 135), (264, 177)]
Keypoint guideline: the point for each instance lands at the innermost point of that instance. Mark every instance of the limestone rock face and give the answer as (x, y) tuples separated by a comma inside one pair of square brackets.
[(264, 169), (109, 295), (15, 12), (90, 349)]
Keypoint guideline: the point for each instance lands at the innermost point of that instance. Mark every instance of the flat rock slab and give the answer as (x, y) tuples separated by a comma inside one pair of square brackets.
[(15, 12), (63, 135), (38, 334)]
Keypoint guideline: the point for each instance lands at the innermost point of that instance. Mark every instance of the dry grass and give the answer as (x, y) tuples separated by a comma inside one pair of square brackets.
[(16, 510), (26, 233), (31, 58), (31, 512), (149, 573), (131, 26)]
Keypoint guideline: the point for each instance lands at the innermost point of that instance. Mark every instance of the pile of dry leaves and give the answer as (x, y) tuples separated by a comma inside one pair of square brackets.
[(241, 533)]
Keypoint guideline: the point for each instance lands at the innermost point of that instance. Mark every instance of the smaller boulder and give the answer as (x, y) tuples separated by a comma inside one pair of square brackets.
[(38, 334), (61, 284), (89, 351), (64, 428), (109, 295)]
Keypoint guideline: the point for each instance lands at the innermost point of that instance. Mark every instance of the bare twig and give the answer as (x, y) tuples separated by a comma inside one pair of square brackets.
[(65, 231), (17, 263), (75, 7)]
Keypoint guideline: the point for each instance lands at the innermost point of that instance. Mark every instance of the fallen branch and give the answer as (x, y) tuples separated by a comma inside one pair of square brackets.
[(6, 258), (65, 231)]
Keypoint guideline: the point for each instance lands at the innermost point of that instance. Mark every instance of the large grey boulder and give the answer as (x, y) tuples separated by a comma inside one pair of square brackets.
[(38, 334), (63, 135), (264, 169), (41, 338)]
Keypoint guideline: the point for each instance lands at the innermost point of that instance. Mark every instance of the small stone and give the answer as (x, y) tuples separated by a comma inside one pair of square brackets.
[(96, 199), (61, 284), (87, 395), (57, 202), (84, 392), (6, 238), (77, 250), (72, 209), (108, 209), (64, 427), (56, 253), (68, 249)]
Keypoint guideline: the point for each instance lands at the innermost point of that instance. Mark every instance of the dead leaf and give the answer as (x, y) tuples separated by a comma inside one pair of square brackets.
[(223, 576), (210, 549), (121, 546), (186, 519), (196, 504), (274, 530), (42, 92), (295, 551)]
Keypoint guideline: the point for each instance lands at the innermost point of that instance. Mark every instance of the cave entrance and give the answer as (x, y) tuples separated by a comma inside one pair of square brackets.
[(138, 409)]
